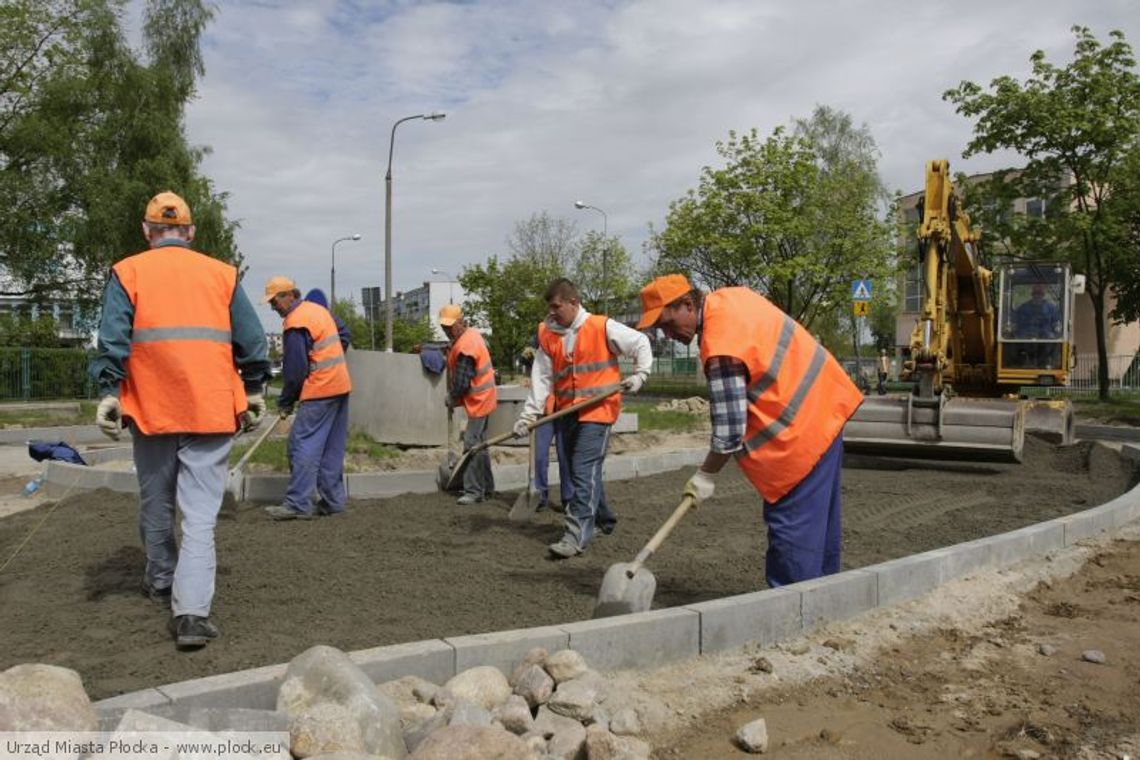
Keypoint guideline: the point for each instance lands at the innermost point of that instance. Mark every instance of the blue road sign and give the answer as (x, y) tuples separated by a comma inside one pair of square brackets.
[(861, 290)]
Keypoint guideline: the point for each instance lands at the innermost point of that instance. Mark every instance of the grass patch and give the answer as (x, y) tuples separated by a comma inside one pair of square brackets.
[(1118, 409), (361, 449), (272, 452), (362, 443), (672, 420), (50, 417)]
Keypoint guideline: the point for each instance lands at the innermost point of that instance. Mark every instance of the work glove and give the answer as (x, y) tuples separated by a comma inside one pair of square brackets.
[(109, 417), (284, 410), (522, 426), (700, 487), (255, 411), (632, 384)]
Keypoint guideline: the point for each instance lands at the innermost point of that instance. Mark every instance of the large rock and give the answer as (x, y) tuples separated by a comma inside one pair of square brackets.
[(565, 665), (574, 699), (484, 685), (415, 715), (322, 728), (324, 674), (515, 715), (408, 690), (469, 714), (536, 656), (132, 723), (603, 745), (534, 685), (472, 743), (566, 737), (415, 735), (625, 722), (36, 697), (753, 737)]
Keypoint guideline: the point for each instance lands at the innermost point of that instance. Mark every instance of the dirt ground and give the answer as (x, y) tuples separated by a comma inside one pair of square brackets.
[(961, 673), (418, 566)]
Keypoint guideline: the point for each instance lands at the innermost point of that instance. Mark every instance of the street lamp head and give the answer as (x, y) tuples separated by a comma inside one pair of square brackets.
[(436, 116), (580, 205), (356, 236)]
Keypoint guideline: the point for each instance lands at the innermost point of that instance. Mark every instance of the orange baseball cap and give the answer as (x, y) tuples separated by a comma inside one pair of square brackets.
[(277, 285), (450, 314), (658, 294), (167, 208)]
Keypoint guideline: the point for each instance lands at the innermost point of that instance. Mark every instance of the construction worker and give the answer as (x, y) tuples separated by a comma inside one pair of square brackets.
[(315, 373), (778, 402), (317, 296), (176, 330), (884, 370), (578, 359), (472, 384)]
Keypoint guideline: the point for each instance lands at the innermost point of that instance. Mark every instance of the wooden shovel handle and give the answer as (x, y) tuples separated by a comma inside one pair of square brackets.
[(659, 537), (260, 439)]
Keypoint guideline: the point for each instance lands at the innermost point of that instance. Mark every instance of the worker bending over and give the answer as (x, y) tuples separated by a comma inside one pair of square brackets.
[(778, 402), (176, 329), (472, 384), (578, 359), (315, 373)]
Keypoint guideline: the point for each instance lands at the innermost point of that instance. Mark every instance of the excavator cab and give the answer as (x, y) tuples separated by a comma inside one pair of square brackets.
[(1035, 315)]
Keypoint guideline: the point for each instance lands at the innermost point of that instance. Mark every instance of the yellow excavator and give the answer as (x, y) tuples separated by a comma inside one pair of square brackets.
[(980, 337)]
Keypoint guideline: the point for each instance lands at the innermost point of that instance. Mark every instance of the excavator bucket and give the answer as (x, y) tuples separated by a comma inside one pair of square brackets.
[(1051, 419), (962, 429)]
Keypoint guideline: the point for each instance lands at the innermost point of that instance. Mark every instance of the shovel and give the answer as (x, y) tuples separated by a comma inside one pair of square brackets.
[(628, 587), (525, 502), (235, 479), (447, 466), (457, 471)]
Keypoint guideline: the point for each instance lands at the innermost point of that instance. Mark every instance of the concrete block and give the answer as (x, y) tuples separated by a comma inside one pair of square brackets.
[(1131, 451), (1011, 547), (505, 649), (73, 434), (114, 454), (133, 700), (626, 423), (638, 640), (371, 485), (837, 597), (266, 489), (509, 476), (650, 464), (255, 689), (62, 479), (395, 400), (1085, 524), (431, 659), (906, 578), (620, 468), (511, 399), (763, 617), (966, 558)]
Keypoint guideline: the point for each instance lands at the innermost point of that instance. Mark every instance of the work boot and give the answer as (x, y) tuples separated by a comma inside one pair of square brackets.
[(278, 512), (564, 549), (192, 631), (607, 528), (467, 499), (542, 506), (323, 510), (155, 594)]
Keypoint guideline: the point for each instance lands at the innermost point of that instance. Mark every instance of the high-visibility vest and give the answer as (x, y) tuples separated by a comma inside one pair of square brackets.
[(799, 397), (181, 376), (593, 369), (328, 374), (481, 397)]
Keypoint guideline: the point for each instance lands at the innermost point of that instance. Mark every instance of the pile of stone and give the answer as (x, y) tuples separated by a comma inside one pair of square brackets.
[(694, 405), (553, 706)]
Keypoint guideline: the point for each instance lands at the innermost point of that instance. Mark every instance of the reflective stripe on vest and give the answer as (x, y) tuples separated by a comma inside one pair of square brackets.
[(181, 376), (328, 373), (481, 397), (591, 371), (799, 397)]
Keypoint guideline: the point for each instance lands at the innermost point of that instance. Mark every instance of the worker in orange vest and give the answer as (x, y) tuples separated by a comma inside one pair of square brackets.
[(578, 359), (175, 332), (778, 402), (315, 374), (472, 384)]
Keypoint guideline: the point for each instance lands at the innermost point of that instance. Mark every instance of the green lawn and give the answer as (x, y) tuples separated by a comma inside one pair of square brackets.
[(1119, 409), (649, 418), (50, 418), (273, 452)]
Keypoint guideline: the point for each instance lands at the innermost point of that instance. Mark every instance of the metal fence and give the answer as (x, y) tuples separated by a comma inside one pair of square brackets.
[(44, 373), (1123, 375)]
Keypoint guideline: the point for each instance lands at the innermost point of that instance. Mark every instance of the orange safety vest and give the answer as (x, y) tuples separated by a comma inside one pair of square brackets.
[(799, 396), (181, 376), (328, 374), (481, 398), (593, 369)]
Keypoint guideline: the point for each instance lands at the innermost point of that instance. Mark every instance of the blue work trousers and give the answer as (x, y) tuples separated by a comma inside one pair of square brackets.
[(316, 454), (586, 443), (543, 437), (804, 528)]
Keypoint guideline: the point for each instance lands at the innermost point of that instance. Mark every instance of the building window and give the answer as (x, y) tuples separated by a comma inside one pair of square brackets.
[(1035, 207), (912, 291)]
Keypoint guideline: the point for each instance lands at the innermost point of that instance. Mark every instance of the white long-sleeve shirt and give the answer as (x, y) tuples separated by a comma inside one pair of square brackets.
[(624, 341)]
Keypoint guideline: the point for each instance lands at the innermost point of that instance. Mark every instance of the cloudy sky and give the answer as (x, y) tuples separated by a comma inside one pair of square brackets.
[(616, 103)]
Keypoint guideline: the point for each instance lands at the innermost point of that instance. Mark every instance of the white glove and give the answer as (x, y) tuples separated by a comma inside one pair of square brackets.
[(255, 411), (700, 487), (522, 426), (109, 417), (632, 384)]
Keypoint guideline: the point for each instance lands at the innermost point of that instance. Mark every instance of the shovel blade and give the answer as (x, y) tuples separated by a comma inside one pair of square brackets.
[(446, 468), (621, 595)]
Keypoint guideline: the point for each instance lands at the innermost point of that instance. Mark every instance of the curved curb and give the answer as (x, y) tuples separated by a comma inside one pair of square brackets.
[(678, 633)]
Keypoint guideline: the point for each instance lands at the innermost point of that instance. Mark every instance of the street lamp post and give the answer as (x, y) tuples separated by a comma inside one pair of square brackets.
[(389, 304), (580, 205), (450, 283), (332, 272)]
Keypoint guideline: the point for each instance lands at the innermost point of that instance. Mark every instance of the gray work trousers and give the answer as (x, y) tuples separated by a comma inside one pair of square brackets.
[(188, 470), (478, 480)]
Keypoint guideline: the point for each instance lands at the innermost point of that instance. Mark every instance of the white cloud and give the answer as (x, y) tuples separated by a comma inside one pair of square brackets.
[(617, 103)]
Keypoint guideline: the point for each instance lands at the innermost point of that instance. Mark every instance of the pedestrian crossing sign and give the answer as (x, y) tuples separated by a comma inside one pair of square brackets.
[(861, 290), (862, 308)]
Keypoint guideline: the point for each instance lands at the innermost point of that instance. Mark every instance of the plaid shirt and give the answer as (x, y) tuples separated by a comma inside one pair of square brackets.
[(462, 377), (728, 399)]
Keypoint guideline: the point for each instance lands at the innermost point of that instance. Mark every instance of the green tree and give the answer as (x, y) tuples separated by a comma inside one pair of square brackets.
[(507, 297), (603, 272), (1075, 125), (796, 217)]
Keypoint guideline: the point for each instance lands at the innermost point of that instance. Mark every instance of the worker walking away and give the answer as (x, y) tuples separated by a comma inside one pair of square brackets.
[(472, 384), (175, 332), (778, 402), (884, 370), (316, 376), (577, 360)]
